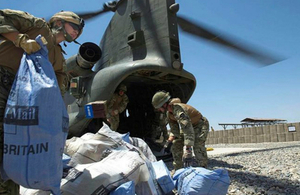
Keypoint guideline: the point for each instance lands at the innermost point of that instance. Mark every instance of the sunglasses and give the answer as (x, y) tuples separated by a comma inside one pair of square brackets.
[(75, 26)]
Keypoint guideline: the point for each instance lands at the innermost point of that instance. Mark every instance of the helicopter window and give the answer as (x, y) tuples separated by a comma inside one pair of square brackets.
[(131, 37)]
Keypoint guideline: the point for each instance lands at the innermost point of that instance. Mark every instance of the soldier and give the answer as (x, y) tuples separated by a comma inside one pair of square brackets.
[(116, 105), (18, 30), (189, 130)]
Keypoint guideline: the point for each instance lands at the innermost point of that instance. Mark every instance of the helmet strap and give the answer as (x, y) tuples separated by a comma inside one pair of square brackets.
[(76, 42)]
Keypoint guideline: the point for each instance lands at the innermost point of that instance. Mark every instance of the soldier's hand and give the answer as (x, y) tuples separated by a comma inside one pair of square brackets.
[(28, 45), (188, 157)]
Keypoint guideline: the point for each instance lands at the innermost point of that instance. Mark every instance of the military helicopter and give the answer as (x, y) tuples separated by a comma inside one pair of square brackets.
[(140, 48)]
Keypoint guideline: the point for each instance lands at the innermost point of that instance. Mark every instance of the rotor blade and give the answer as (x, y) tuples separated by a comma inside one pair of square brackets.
[(90, 15), (109, 6), (197, 30)]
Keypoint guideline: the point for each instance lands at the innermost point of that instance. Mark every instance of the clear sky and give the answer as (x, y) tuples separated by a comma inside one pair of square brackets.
[(229, 87)]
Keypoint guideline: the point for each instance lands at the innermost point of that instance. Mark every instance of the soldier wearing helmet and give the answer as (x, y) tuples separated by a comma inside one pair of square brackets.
[(70, 18), (189, 130), (116, 105), (18, 31)]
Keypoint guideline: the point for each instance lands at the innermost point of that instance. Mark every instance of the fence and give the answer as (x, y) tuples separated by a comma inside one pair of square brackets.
[(269, 133)]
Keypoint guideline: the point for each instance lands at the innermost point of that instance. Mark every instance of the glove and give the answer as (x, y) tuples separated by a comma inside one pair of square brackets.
[(167, 147), (188, 157), (28, 45)]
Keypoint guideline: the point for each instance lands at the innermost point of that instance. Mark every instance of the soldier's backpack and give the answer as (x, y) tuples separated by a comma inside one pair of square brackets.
[(35, 125)]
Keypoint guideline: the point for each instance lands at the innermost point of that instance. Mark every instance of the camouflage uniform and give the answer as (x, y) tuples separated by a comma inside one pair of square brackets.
[(6, 80), (159, 126), (10, 55), (189, 128), (116, 105)]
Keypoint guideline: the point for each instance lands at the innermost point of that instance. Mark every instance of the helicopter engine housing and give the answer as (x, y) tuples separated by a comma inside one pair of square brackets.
[(82, 63)]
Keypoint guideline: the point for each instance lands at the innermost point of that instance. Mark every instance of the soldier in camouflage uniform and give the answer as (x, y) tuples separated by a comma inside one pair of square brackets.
[(189, 130), (116, 105), (18, 30)]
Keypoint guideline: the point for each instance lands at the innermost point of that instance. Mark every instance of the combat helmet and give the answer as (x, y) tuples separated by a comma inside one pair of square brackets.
[(72, 18), (160, 98), (122, 87)]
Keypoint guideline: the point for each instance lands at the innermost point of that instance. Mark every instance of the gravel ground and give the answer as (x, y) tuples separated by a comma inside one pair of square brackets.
[(275, 169)]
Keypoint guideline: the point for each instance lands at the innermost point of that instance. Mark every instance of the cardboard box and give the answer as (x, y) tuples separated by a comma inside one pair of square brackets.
[(96, 109)]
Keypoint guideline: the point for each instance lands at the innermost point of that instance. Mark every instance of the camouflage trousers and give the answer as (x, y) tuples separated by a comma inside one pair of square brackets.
[(201, 132), (114, 122), (6, 79)]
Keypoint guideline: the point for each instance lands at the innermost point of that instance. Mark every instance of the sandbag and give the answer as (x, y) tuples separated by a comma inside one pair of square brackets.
[(91, 147), (106, 175), (35, 125), (201, 181)]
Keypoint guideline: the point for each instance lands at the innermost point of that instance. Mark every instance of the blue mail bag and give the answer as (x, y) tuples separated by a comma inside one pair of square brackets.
[(35, 125), (127, 188), (201, 181)]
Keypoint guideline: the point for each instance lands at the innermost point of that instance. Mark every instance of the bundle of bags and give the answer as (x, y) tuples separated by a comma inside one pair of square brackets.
[(115, 164), (105, 162)]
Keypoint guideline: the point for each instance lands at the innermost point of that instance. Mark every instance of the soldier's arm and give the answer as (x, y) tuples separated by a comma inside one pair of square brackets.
[(111, 102), (13, 22), (185, 125), (14, 25), (110, 106), (123, 103)]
